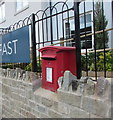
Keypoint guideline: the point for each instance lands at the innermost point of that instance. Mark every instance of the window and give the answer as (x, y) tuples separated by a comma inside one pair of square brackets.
[(88, 21), (88, 30), (2, 12), (70, 31), (21, 4)]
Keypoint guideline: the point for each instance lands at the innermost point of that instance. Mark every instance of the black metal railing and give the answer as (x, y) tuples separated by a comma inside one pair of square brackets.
[(60, 23)]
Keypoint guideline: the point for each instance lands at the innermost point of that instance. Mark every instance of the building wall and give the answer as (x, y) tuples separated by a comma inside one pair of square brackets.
[(108, 14), (13, 17)]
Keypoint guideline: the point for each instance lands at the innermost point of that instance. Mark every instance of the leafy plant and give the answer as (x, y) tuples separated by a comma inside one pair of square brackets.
[(99, 61), (109, 61), (29, 66)]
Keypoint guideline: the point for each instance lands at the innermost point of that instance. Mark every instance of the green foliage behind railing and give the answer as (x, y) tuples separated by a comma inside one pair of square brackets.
[(99, 61), (29, 66)]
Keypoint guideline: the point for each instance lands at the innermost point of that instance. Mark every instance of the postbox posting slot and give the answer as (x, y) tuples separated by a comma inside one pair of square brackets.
[(45, 58), (49, 57)]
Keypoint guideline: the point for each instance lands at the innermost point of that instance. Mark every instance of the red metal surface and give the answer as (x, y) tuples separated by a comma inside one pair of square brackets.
[(59, 59)]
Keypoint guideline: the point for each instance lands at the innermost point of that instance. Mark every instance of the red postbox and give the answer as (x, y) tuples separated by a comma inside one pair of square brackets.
[(55, 61)]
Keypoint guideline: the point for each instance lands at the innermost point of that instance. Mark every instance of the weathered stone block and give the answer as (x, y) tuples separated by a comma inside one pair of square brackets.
[(27, 85), (55, 105), (66, 116), (12, 73), (16, 114), (27, 73), (47, 102), (33, 76), (95, 106), (41, 109), (111, 93), (8, 72), (37, 83), (21, 92), (67, 80), (23, 112), (20, 84), (54, 114), (37, 98), (30, 115), (60, 82), (23, 99), (14, 90), (102, 87), (0, 71), (32, 104), (14, 83), (110, 113), (78, 113), (90, 87), (5, 102), (81, 88), (6, 89), (29, 94), (15, 96), (94, 116), (17, 105), (25, 107), (18, 71), (6, 108), (5, 81), (11, 102), (70, 98), (42, 115), (63, 108), (36, 113), (83, 80)]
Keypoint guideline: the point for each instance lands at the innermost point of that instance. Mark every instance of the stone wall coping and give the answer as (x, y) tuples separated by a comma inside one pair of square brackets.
[(46, 94), (54, 96)]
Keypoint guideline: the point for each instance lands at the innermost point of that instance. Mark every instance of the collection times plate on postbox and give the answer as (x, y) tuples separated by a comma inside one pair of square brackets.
[(49, 74)]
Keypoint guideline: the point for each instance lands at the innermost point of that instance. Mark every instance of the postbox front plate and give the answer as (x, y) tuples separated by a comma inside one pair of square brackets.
[(49, 74)]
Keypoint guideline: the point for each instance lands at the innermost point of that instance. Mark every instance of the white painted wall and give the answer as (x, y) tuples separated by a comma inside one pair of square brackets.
[(12, 17)]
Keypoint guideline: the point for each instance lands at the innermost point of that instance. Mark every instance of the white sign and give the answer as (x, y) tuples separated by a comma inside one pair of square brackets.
[(49, 74), (9, 47)]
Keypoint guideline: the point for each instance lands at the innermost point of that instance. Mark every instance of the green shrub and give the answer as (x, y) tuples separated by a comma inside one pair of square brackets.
[(99, 60), (109, 61), (29, 66), (13, 65)]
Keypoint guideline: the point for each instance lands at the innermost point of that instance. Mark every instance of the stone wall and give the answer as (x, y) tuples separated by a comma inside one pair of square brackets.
[(23, 97)]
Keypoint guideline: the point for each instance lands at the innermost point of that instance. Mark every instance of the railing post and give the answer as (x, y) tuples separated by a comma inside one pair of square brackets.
[(77, 38), (33, 48), (51, 29)]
